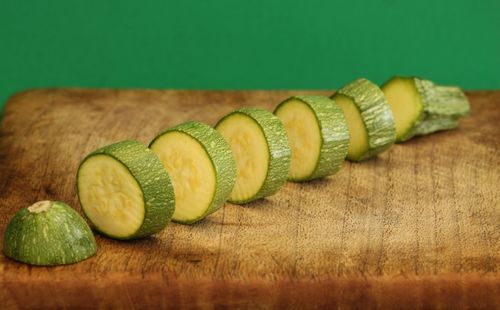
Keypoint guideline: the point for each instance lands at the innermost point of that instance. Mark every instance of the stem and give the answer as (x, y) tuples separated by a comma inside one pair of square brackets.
[(40, 206), (443, 106)]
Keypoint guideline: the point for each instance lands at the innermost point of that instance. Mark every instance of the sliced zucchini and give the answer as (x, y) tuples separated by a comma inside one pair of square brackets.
[(369, 117), (202, 168), (421, 107), (406, 106), (48, 233), (317, 133), (125, 191), (260, 146)]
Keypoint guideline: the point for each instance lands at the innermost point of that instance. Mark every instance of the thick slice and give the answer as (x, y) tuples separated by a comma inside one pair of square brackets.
[(48, 233), (201, 166), (317, 133), (125, 191), (260, 146), (421, 107), (369, 117)]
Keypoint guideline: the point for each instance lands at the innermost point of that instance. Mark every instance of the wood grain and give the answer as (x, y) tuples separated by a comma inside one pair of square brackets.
[(418, 227)]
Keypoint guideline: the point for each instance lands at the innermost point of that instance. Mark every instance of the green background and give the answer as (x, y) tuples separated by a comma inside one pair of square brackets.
[(226, 44)]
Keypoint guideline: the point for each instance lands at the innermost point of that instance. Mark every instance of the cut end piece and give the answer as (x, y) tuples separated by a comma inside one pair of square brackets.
[(405, 103), (358, 145), (110, 196), (251, 152), (304, 137), (59, 237), (191, 172), (40, 206)]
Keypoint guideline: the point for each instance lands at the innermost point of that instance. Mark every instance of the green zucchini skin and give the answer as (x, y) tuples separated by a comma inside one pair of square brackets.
[(334, 134), (376, 114), (148, 171), (57, 236), (443, 107), (279, 150), (221, 156)]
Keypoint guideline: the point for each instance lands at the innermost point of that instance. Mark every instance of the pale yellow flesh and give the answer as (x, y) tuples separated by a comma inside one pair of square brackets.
[(251, 153), (405, 104), (191, 172), (110, 196), (358, 144), (304, 137)]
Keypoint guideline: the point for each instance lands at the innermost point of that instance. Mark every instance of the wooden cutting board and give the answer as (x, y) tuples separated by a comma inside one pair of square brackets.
[(418, 226)]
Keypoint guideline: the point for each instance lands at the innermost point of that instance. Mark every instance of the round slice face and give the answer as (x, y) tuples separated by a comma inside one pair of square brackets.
[(191, 171), (111, 197), (304, 136), (259, 143), (201, 166), (358, 144), (125, 191), (317, 133), (249, 146), (405, 104)]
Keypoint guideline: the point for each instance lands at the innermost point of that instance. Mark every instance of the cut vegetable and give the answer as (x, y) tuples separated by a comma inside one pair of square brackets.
[(48, 233), (202, 168), (260, 146), (403, 98), (125, 191), (421, 107), (317, 133), (369, 117)]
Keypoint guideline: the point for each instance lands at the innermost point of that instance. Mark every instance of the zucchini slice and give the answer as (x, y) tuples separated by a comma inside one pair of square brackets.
[(421, 107), (202, 168), (317, 133), (369, 117), (260, 146), (125, 191), (48, 233)]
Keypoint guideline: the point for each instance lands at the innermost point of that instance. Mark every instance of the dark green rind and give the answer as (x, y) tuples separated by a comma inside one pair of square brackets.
[(334, 134), (219, 152), (148, 171), (443, 106), (376, 114), (25, 241), (279, 150)]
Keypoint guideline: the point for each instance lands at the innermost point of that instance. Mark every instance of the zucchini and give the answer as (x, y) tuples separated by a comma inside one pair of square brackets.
[(318, 136), (48, 233), (421, 107), (260, 146), (369, 117), (202, 168), (124, 191)]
